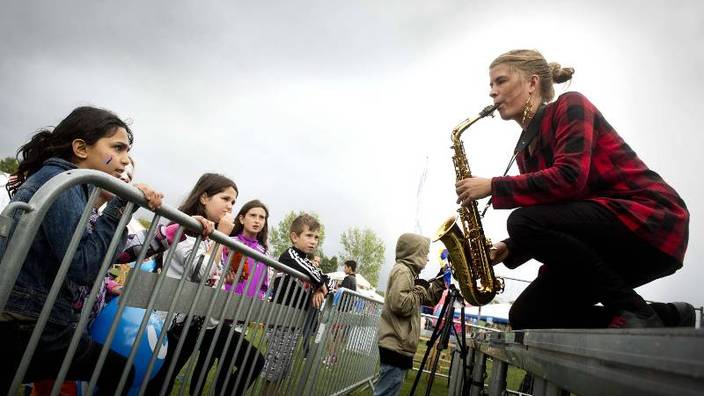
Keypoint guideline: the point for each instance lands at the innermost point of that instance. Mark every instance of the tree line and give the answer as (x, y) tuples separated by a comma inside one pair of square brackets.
[(360, 245)]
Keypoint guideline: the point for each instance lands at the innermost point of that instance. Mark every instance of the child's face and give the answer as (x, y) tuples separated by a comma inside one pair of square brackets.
[(307, 240), (127, 175), (347, 270), (253, 221), (217, 205), (109, 154)]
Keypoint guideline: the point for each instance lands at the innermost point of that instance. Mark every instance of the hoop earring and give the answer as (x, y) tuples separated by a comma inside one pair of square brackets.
[(527, 110)]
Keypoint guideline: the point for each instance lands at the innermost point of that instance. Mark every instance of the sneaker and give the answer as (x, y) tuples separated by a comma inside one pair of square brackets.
[(630, 320), (685, 313), (526, 385)]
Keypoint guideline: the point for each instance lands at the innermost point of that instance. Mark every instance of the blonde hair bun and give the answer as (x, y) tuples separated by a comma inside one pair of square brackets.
[(560, 74)]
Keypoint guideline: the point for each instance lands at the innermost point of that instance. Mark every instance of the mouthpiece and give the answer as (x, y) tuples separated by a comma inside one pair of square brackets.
[(488, 111)]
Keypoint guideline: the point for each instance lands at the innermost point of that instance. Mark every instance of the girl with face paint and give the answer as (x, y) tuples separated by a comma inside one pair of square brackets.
[(88, 138)]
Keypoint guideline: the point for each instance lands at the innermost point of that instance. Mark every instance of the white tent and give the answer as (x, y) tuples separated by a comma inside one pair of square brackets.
[(493, 313), (363, 286), (338, 276)]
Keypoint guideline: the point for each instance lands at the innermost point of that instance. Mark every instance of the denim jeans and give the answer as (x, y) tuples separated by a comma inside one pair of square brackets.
[(50, 354), (390, 380)]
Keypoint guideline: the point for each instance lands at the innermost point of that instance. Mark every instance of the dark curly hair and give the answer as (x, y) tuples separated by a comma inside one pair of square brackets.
[(86, 123)]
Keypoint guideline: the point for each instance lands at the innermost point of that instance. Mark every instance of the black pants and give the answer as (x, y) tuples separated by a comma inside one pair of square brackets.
[(50, 353), (254, 361), (173, 335), (254, 358), (589, 257)]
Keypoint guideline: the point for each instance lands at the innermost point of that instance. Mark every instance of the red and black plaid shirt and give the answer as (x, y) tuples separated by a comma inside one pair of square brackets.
[(579, 156)]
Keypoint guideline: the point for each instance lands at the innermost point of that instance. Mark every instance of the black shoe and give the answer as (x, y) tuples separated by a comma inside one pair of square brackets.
[(526, 384), (631, 320), (685, 314)]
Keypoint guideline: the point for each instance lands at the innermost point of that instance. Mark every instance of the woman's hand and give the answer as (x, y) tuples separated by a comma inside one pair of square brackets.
[(498, 253), (472, 189), (208, 226), (226, 223), (153, 197)]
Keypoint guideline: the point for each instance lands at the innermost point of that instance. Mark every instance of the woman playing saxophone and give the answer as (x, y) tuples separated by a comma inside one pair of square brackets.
[(598, 219)]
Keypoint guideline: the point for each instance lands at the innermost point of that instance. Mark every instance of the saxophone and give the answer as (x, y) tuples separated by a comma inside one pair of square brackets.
[(468, 248)]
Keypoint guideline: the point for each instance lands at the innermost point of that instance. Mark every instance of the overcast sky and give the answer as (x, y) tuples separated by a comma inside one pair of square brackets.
[(341, 107)]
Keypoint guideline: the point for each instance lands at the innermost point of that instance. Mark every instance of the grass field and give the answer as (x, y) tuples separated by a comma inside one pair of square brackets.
[(440, 383), (326, 375)]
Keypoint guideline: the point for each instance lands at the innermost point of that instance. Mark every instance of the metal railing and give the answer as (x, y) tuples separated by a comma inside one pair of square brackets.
[(344, 353), (348, 322), (586, 362), (660, 361)]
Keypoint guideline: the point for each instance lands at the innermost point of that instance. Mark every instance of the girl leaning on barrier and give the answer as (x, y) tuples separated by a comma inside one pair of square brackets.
[(211, 199), (88, 138), (250, 228), (588, 208)]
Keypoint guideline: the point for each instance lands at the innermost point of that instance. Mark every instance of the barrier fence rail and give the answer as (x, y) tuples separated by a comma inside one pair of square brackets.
[(586, 362), (317, 352)]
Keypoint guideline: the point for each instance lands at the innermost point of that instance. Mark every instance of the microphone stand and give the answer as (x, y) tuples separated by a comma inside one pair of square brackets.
[(441, 335)]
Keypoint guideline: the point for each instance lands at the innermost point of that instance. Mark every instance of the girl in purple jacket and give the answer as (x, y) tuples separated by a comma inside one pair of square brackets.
[(252, 229)]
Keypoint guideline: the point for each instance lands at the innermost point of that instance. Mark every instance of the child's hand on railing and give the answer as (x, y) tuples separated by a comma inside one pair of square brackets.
[(153, 197), (230, 277), (319, 297), (208, 226)]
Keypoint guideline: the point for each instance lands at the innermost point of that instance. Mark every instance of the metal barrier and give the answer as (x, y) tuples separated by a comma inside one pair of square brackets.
[(587, 362), (349, 319), (345, 344), (661, 361)]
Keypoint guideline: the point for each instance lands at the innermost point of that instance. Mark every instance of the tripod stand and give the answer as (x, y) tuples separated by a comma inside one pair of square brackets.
[(441, 335)]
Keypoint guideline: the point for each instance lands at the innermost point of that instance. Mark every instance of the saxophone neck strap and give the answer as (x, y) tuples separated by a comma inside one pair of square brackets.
[(527, 136)]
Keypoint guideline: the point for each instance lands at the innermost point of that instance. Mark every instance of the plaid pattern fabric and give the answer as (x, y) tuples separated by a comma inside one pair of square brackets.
[(579, 156)]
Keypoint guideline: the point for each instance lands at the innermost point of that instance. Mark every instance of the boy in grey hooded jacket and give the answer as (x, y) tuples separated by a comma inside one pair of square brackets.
[(399, 327)]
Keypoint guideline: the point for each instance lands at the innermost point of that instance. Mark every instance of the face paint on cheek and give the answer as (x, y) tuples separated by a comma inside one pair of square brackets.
[(108, 159)]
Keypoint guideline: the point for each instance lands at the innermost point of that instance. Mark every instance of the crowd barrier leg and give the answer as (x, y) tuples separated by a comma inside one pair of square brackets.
[(454, 378), (478, 373), (498, 378), (539, 385), (552, 389)]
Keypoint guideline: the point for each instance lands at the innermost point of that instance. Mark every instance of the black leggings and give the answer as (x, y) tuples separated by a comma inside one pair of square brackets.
[(589, 257), (253, 358), (50, 353)]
